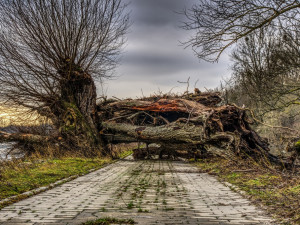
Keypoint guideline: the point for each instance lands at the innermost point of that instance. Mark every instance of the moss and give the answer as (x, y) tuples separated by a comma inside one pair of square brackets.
[(297, 146), (72, 117), (75, 124)]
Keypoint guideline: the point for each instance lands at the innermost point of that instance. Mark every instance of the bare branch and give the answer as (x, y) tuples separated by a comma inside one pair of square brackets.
[(219, 24)]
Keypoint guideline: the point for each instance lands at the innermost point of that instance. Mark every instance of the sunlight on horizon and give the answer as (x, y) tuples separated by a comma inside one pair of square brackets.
[(18, 117)]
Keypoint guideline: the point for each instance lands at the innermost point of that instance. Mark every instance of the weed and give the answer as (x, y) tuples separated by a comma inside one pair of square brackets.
[(140, 210), (108, 221), (130, 205), (133, 195), (168, 209)]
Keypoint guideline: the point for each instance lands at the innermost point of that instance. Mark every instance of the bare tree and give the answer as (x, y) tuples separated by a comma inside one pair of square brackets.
[(51, 51), (266, 69), (270, 66), (221, 23)]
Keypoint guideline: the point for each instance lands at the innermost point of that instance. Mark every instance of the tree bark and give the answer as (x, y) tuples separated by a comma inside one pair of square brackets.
[(182, 122), (30, 138), (76, 117), (174, 137)]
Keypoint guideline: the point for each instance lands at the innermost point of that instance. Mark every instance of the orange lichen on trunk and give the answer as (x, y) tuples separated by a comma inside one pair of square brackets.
[(160, 106)]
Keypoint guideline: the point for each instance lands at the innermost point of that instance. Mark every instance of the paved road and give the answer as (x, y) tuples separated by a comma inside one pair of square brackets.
[(150, 192)]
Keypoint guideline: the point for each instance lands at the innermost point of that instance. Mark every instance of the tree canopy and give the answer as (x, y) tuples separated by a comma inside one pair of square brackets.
[(39, 38)]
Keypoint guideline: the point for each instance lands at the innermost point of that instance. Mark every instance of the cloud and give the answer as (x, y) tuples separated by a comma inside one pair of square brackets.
[(154, 58), (157, 12)]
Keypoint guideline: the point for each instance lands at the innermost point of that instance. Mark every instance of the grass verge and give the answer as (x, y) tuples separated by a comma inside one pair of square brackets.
[(279, 192), (20, 176)]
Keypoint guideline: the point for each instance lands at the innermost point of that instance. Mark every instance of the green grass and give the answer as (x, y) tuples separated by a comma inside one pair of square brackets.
[(108, 221), (125, 154), (280, 193), (17, 178)]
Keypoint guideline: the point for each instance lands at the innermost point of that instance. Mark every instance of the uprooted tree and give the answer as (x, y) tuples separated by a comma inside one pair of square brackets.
[(266, 57), (51, 53), (189, 125), (196, 123)]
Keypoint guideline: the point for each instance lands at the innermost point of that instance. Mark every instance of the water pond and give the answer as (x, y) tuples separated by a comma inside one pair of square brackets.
[(4, 149)]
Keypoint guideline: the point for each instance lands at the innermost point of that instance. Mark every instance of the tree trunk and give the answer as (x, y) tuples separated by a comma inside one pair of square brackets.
[(194, 122), (76, 117), (31, 138)]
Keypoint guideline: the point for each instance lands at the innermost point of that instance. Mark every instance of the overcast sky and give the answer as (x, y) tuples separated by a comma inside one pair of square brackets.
[(153, 57)]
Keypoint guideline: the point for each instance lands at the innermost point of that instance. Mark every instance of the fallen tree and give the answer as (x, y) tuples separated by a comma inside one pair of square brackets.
[(21, 137), (190, 125), (193, 122)]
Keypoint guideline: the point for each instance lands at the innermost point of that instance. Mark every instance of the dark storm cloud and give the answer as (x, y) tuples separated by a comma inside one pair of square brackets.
[(154, 59), (157, 12), (171, 63)]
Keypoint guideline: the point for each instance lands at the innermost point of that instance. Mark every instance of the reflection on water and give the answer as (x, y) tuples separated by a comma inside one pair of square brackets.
[(4, 148)]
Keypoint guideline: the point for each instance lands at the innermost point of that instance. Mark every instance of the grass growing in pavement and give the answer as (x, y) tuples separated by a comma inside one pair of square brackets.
[(130, 205), (278, 191), (108, 221)]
